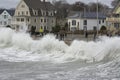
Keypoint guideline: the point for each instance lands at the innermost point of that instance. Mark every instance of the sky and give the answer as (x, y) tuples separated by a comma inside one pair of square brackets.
[(13, 3)]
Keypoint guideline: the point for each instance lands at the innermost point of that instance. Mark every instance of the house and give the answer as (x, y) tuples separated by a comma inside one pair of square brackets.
[(37, 13), (6, 17), (113, 21), (86, 21)]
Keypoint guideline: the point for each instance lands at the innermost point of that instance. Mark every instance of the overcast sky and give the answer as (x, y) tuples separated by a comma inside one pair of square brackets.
[(13, 3)]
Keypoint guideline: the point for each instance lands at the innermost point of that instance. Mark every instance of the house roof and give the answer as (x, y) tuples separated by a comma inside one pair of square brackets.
[(38, 4), (11, 12), (1, 10), (88, 15)]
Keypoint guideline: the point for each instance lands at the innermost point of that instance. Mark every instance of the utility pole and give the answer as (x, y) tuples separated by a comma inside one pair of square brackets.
[(97, 18)]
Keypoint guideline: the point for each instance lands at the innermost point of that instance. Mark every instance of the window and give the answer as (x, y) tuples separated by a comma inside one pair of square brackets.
[(85, 22), (35, 20), (17, 19), (22, 6), (99, 21), (22, 13), (35, 13), (44, 20), (41, 20), (94, 28), (103, 21), (46, 13), (4, 12), (117, 25), (5, 16), (44, 27), (5, 22), (43, 13), (51, 14), (26, 12), (74, 22), (22, 19), (28, 19)]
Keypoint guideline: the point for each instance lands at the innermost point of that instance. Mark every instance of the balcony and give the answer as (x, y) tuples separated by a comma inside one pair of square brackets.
[(113, 19), (18, 23)]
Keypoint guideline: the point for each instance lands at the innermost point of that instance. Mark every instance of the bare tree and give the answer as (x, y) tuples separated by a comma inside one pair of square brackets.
[(78, 6), (115, 2)]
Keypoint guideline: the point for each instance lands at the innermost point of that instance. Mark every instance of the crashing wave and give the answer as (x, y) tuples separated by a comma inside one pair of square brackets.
[(17, 46)]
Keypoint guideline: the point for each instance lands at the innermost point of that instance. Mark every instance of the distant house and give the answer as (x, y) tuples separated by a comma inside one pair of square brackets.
[(87, 21), (6, 17), (37, 13), (113, 21)]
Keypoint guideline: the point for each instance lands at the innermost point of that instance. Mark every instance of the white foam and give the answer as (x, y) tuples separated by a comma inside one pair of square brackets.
[(23, 48)]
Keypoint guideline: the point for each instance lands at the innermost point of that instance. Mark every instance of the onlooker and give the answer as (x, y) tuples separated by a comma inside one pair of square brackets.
[(33, 28), (95, 34), (41, 31)]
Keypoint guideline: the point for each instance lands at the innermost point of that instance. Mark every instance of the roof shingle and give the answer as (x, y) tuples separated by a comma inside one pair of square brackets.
[(88, 15), (37, 4)]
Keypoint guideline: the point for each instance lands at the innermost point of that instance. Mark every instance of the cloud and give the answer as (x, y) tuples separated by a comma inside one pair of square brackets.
[(13, 3)]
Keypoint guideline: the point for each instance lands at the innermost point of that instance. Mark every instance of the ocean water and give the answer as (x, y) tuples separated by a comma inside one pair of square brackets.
[(22, 58)]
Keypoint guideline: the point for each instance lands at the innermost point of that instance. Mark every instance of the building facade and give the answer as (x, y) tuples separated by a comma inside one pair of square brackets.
[(6, 17), (113, 21), (87, 21), (37, 13)]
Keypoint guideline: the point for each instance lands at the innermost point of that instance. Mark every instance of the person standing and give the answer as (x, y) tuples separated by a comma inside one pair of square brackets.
[(41, 31), (33, 28), (94, 36)]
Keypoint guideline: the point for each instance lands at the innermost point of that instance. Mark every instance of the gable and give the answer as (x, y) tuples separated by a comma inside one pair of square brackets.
[(22, 5), (117, 9), (5, 13)]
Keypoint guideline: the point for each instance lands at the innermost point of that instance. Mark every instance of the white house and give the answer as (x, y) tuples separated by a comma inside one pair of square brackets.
[(37, 13), (87, 21), (6, 17)]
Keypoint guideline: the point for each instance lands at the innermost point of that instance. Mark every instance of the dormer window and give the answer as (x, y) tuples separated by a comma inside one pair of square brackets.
[(44, 13), (4, 12), (51, 14), (23, 6), (36, 13), (22, 13)]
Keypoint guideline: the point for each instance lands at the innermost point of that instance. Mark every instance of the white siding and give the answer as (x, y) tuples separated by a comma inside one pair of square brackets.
[(5, 19), (91, 23)]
